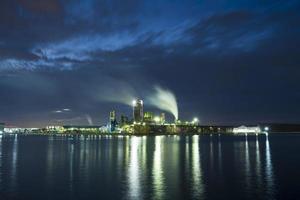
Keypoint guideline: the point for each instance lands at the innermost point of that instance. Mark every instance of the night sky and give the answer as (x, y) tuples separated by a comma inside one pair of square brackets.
[(71, 61)]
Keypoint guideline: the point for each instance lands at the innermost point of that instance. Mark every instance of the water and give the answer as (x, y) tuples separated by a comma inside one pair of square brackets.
[(160, 167)]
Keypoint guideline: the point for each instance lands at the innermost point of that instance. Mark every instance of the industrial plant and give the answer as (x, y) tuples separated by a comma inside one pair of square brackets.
[(142, 123)]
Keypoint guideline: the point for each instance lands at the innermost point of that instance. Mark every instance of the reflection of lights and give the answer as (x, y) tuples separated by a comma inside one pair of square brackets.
[(258, 165), (133, 171), (1, 158), (71, 166), (196, 168), (220, 155), (247, 163), (269, 168), (50, 161), (157, 169), (14, 160)]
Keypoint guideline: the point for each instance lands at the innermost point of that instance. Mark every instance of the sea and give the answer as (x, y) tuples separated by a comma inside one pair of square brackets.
[(37, 167)]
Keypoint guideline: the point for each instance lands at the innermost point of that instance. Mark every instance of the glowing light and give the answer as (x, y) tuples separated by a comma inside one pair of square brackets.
[(244, 129), (156, 119), (266, 128), (134, 102)]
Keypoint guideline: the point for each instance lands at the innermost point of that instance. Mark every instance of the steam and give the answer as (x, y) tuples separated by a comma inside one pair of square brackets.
[(164, 100), (118, 92), (89, 119), (122, 92)]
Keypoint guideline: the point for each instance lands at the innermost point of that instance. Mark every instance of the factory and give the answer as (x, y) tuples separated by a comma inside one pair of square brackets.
[(146, 123), (141, 123)]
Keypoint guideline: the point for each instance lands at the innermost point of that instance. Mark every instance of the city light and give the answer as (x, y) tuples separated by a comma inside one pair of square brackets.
[(156, 119), (134, 102), (195, 120)]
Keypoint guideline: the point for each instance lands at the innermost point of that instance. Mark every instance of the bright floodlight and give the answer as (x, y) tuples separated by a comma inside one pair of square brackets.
[(195, 119), (134, 102), (266, 128), (156, 119)]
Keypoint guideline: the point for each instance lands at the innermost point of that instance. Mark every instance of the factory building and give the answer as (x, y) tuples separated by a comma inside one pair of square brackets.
[(138, 113), (124, 120), (113, 121), (148, 117), (247, 129)]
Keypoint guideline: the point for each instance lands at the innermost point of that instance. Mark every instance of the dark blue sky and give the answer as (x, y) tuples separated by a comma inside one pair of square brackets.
[(226, 61)]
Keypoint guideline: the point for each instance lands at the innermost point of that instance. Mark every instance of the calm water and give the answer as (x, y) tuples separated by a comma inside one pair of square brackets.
[(160, 167)]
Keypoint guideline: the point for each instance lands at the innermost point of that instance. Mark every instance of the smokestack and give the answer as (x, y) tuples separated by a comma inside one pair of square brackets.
[(138, 113)]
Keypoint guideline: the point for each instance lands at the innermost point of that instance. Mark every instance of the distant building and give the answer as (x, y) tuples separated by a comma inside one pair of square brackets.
[(2, 127), (148, 117), (112, 116), (113, 121), (124, 120), (76, 128), (138, 113), (162, 118), (245, 129)]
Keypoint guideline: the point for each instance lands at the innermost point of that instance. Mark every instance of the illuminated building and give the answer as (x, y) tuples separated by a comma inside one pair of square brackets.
[(112, 120), (81, 129), (245, 129), (148, 117), (124, 120), (138, 110)]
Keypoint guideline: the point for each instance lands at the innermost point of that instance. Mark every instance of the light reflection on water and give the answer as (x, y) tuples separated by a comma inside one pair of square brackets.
[(134, 169), (198, 188), (269, 170), (1, 165), (14, 163), (156, 167), (157, 172)]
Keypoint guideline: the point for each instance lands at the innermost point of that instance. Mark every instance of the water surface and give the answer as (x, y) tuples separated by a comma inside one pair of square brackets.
[(154, 167)]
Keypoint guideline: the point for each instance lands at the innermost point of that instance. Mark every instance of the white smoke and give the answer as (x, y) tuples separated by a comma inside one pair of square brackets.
[(118, 92), (122, 92), (89, 119), (164, 100)]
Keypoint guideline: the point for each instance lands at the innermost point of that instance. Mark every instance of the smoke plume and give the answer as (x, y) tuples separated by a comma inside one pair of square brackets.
[(118, 92), (89, 119), (164, 100)]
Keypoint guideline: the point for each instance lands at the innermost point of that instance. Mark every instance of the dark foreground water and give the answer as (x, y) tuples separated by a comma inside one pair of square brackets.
[(160, 167)]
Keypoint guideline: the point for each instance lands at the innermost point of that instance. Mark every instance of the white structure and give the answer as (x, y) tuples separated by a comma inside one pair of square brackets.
[(244, 129)]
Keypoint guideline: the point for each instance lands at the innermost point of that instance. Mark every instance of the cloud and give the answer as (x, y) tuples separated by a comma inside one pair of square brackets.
[(230, 32), (65, 110), (57, 111)]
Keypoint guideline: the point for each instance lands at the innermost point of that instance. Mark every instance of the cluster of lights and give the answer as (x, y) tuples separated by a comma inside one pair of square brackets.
[(156, 119), (195, 120), (134, 102)]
